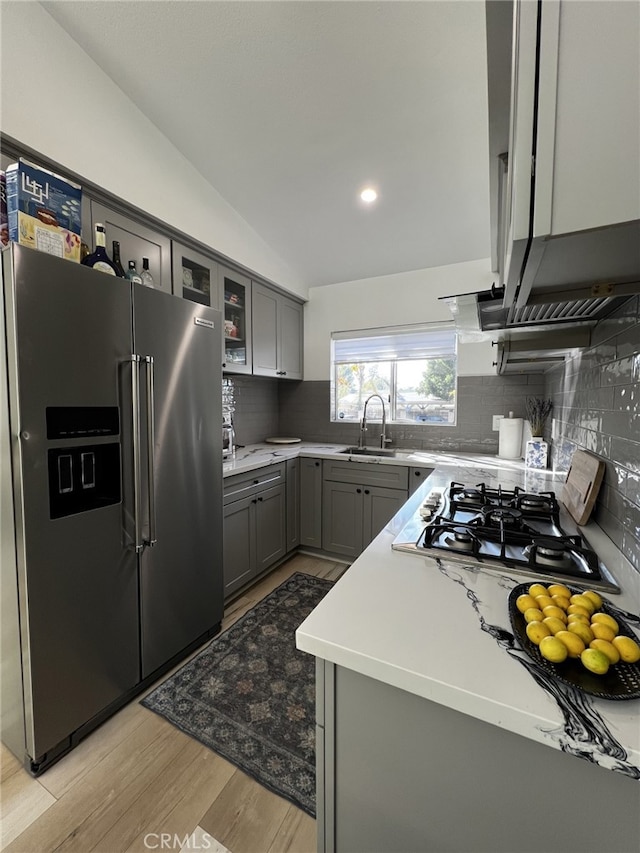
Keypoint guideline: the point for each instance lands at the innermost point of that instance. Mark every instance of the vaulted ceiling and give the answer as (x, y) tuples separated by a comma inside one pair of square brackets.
[(289, 108)]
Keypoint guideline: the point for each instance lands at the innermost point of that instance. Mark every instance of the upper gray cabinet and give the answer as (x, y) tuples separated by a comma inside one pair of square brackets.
[(195, 276), (567, 224), (277, 334), (137, 241), (235, 293)]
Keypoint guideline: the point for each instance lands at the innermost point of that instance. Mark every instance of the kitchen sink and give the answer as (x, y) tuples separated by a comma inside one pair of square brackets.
[(369, 451)]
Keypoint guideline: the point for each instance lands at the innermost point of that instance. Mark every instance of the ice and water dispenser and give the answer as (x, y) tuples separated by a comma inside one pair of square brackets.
[(84, 474)]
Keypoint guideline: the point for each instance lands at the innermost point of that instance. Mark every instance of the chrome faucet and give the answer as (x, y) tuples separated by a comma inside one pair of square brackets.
[(363, 423)]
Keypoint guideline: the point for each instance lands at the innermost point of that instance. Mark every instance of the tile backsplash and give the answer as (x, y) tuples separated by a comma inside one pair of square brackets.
[(596, 407), (305, 406)]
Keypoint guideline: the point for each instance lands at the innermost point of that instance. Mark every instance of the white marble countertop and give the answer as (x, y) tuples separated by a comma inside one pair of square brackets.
[(441, 630), (259, 455)]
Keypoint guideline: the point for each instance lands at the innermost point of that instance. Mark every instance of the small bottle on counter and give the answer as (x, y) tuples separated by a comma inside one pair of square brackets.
[(133, 274), (116, 259), (145, 275), (99, 259)]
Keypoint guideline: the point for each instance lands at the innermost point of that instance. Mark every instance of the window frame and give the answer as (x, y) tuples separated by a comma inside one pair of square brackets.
[(392, 395)]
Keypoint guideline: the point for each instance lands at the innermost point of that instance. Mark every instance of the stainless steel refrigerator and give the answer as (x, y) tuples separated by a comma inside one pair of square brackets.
[(111, 494)]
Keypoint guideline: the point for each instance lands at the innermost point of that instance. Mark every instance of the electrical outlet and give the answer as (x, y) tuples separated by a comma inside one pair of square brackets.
[(496, 422)]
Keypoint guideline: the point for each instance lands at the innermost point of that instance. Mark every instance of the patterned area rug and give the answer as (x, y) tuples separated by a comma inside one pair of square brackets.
[(250, 694)]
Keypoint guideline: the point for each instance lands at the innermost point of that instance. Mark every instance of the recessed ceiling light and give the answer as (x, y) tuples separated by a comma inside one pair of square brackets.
[(368, 195)]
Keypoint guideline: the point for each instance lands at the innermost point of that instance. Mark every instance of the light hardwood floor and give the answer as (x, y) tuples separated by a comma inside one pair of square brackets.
[(138, 776)]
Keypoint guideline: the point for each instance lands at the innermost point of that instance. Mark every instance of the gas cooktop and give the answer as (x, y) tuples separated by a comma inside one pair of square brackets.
[(511, 530)]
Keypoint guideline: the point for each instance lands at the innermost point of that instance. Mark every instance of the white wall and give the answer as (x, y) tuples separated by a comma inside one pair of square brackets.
[(390, 300), (56, 100)]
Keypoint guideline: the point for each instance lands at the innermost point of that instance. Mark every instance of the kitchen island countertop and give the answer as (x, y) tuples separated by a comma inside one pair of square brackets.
[(441, 630)]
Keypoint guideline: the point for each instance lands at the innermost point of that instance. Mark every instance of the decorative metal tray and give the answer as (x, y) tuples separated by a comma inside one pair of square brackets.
[(622, 681)]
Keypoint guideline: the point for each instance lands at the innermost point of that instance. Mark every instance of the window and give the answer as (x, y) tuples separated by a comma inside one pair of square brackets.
[(413, 369)]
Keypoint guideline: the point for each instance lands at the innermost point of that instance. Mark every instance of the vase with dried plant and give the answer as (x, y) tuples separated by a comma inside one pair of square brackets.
[(538, 411)]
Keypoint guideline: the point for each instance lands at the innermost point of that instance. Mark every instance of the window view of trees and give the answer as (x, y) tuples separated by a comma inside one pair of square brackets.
[(418, 390)]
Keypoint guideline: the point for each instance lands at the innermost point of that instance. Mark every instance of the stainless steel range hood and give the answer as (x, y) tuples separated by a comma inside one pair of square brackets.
[(565, 208)]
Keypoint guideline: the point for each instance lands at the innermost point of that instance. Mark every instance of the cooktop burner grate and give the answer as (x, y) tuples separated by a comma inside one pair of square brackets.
[(512, 528)]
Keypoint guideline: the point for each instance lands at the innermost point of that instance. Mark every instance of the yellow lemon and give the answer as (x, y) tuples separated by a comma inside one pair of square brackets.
[(572, 641), (582, 630), (578, 617), (553, 649), (537, 631), (559, 589), (583, 601), (628, 648), (533, 615), (597, 599), (605, 619), (595, 661), (606, 648), (543, 601), (554, 624), (575, 608), (602, 632), (524, 602), (537, 589), (558, 612), (561, 601)]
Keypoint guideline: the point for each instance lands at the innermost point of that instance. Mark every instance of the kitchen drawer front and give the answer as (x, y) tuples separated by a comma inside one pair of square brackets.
[(367, 474), (244, 485)]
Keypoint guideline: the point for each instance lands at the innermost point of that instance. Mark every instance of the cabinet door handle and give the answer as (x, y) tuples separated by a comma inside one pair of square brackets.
[(254, 501), (418, 473), (359, 491), (317, 464), (366, 491), (260, 499)]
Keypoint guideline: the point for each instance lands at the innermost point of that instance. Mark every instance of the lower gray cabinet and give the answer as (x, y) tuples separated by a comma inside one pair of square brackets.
[(310, 502), (358, 499), (417, 476), (239, 549), (293, 503), (254, 531)]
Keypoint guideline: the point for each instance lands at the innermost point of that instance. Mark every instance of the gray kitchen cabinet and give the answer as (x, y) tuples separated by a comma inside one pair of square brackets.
[(239, 544), (137, 241), (277, 334), (235, 294), (417, 476), (396, 771), (310, 502), (254, 535), (342, 515), (293, 503), (195, 276), (355, 507)]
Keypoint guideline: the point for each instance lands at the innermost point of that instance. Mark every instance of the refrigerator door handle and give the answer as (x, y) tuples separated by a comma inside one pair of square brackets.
[(135, 424), (151, 431)]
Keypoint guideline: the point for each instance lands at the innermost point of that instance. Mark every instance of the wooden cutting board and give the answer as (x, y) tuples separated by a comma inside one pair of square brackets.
[(582, 486)]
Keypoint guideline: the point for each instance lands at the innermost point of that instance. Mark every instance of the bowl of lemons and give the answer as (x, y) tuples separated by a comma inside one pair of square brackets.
[(579, 637)]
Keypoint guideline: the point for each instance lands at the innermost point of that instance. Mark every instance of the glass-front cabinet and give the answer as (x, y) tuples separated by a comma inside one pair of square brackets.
[(235, 290), (195, 276)]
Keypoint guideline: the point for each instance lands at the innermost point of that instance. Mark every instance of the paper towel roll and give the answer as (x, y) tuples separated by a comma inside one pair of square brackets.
[(510, 438)]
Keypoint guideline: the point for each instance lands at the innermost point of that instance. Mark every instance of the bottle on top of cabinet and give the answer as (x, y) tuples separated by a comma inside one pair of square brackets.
[(145, 275), (99, 259), (116, 259), (133, 274)]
